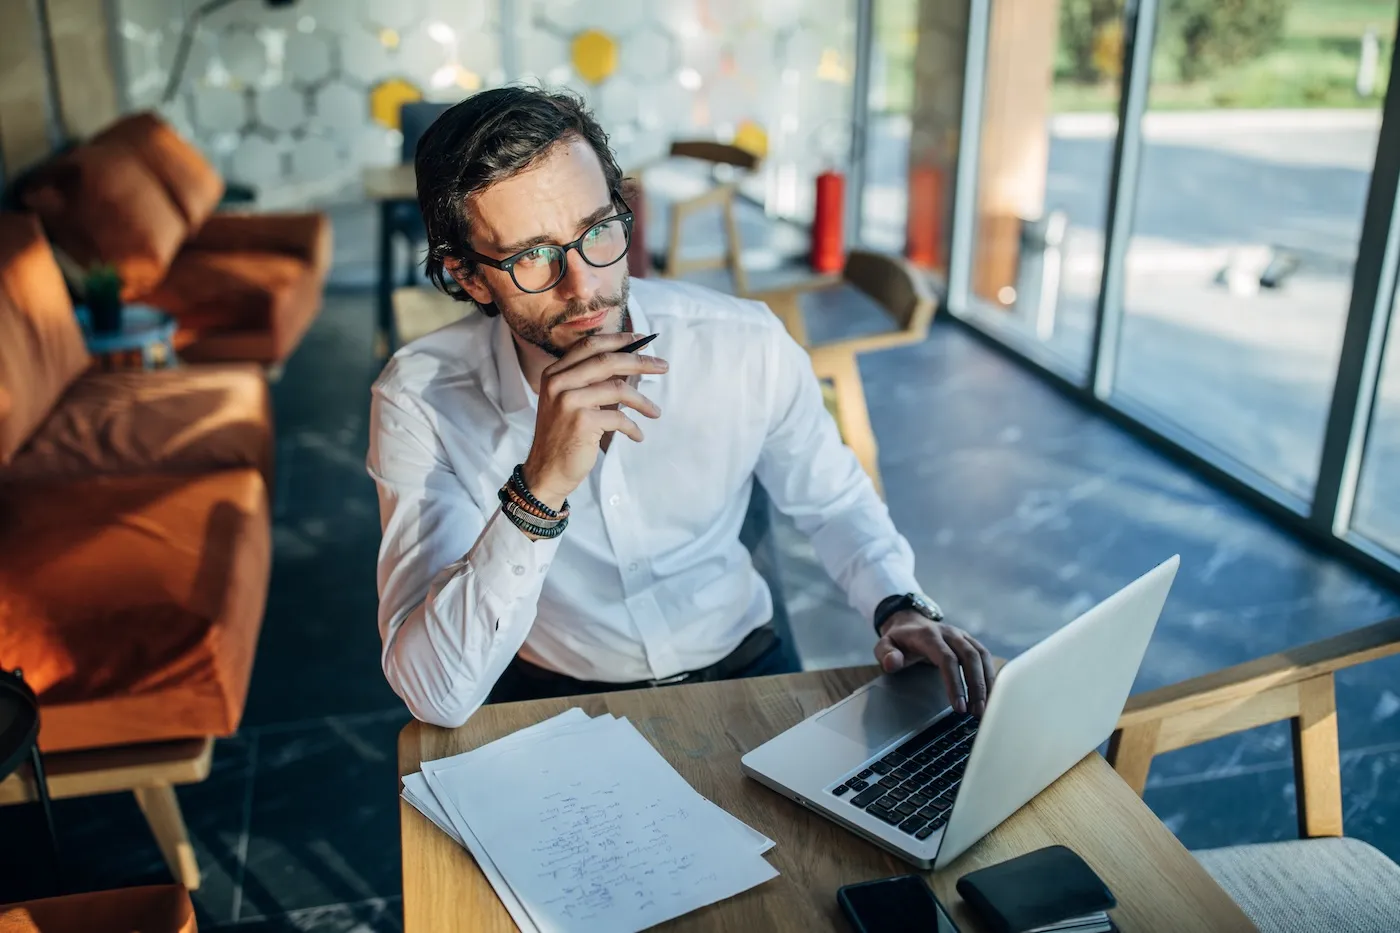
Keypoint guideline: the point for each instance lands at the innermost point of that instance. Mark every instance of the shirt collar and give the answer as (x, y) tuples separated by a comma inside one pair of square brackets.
[(516, 394)]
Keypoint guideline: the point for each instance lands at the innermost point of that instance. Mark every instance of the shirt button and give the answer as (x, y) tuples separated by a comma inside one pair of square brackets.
[(519, 570), (632, 566), (615, 500)]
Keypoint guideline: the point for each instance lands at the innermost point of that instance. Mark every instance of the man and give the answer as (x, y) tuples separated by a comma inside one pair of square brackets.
[(537, 542)]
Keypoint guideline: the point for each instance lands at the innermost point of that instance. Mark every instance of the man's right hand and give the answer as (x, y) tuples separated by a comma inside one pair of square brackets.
[(580, 397)]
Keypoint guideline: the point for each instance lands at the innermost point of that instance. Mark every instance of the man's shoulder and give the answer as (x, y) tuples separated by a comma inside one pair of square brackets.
[(669, 302), (460, 352)]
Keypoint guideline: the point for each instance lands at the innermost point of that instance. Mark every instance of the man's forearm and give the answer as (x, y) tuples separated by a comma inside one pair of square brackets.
[(446, 653)]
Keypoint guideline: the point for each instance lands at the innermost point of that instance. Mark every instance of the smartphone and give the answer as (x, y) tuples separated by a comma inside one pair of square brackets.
[(904, 904)]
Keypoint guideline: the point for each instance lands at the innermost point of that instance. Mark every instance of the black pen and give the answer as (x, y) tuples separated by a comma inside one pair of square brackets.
[(637, 345)]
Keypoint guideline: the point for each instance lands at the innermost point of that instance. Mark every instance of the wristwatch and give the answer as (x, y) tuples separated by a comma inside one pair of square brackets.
[(915, 602)]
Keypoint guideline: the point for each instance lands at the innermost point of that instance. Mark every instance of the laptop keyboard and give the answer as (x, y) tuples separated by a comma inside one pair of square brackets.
[(913, 786)]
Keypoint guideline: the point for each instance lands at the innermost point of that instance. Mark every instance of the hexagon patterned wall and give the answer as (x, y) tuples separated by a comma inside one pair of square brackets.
[(297, 100)]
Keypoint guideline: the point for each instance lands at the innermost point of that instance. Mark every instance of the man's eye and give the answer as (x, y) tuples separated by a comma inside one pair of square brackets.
[(594, 235), (534, 257)]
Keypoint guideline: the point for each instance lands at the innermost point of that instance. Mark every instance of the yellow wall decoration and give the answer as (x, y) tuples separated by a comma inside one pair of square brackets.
[(386, 97), (594, 55), (752, 137)]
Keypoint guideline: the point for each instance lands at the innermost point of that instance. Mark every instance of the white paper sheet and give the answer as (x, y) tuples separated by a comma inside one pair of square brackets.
[(591, 829)]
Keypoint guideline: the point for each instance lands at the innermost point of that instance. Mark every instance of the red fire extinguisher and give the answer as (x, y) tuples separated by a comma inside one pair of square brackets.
[(828, 241)]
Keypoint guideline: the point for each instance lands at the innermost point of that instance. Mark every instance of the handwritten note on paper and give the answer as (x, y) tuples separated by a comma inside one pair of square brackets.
[(595, 831)]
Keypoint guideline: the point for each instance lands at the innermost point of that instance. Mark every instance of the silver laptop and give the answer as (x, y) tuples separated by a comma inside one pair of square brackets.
[(894, 763)]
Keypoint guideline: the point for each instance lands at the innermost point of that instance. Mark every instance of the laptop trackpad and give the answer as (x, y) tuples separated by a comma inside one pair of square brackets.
[(891, 707)]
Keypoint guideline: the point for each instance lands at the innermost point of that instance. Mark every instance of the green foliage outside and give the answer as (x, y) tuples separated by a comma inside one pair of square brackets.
[(1227, 53)]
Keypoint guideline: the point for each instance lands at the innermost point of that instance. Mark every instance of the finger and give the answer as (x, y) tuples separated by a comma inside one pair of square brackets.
[(971, 665), (591, 346), (603, 367), (888, 655), (929, 643), (615, 391), (989, 664), (614, 420)]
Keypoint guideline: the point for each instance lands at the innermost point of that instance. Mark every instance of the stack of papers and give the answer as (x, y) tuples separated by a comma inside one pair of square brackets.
[(579, 824)]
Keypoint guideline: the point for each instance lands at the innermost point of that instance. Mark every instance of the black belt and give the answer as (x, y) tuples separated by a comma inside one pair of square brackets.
[(749, 650)]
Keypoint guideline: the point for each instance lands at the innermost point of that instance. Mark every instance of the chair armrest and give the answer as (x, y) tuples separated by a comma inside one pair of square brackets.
[(1233, 684), (304, 236), (786, 303), (873, 342), (1296, 685)]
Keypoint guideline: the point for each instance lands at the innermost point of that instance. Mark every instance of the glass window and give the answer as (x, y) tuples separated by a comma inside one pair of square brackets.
[(1377, 512), (1049, 121), (885, 198), (1258, 144)]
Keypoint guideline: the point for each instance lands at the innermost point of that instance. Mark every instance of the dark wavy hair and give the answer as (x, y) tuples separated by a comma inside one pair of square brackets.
[(486, 138)]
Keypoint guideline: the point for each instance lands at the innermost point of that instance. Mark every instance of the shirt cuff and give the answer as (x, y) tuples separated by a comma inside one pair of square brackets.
[(509, 563), (880, 583)]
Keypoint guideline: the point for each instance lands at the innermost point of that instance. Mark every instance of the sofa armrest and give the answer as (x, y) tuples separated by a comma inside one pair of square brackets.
[(304, 236)]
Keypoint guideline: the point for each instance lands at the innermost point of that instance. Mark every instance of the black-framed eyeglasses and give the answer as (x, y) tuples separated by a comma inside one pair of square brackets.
[(540, 268)]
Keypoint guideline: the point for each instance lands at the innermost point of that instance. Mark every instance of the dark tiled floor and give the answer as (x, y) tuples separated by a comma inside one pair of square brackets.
[(1022, 509)]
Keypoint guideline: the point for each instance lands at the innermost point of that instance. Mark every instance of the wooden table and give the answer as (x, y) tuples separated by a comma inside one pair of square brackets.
[(703, 730), (390, 186)]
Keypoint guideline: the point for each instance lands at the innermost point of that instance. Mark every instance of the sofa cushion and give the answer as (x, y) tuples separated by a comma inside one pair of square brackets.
[(230, 294), (41, 346), (196, 418), (190, 181), (152, 587), (100, 203), (164, 908)]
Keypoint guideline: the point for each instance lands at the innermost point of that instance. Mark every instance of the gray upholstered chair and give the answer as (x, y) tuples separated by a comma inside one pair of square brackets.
[(1322, 881)]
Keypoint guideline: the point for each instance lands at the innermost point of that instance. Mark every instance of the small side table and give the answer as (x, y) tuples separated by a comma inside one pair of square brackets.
[(145, 331)]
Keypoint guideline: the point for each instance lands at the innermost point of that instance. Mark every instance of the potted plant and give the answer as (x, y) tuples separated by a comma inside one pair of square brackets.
[(102, 288)]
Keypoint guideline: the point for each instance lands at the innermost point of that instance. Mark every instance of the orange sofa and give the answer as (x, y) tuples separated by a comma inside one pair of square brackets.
[(135, 545), (138, 196), (153, 909)]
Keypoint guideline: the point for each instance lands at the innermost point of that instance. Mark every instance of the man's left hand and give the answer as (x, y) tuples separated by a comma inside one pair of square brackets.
[(908, 636)]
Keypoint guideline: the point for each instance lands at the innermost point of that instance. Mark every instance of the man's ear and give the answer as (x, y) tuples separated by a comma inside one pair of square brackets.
[(469, 278)]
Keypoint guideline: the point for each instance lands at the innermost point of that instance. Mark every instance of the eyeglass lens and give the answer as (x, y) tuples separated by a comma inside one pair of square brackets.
[(542, 267)]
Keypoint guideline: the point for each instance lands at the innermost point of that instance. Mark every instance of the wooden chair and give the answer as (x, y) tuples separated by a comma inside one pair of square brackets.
[(1322, 882), (721, 196), (901, 290)]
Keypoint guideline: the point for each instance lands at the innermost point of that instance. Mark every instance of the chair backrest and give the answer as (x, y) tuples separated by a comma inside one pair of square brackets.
[(414, 119), (896, 285), (718, 153)]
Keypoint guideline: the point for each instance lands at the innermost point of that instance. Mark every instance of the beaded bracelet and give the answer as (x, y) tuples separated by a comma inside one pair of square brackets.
[(530, 527), (515, 511), (517, 482), (507, 493)]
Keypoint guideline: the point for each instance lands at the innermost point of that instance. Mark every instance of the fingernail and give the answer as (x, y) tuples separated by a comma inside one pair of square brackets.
[(960, 705)]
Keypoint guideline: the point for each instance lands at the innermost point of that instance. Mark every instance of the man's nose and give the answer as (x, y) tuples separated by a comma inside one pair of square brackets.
[(580, 281)]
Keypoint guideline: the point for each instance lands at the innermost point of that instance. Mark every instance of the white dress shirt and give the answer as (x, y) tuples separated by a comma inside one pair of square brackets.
[(649, 579)]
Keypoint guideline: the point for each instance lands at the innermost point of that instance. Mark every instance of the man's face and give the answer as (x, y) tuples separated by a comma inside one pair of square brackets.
[(552, 202)]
